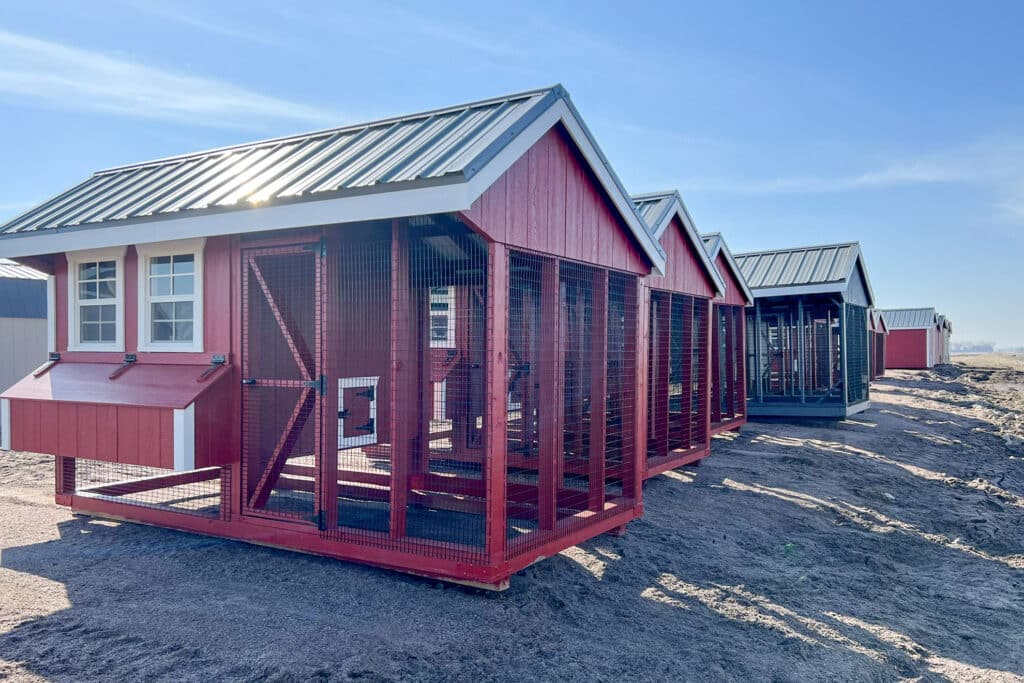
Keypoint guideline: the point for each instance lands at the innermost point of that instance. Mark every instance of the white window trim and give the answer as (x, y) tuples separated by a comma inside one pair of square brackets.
[(74, 331), (148, 251)]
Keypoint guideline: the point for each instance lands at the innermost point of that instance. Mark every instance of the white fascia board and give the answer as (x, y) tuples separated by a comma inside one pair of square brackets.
[(736, 273), (185, 438), (51, 314), (365, 207), (5, 424), (827, 288), (859, 260)]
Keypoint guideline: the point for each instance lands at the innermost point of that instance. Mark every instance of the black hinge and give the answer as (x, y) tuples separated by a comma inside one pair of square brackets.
[(342, 414), (369, 394), (368, 427), (321, 522), (318, 248), (320, 384)]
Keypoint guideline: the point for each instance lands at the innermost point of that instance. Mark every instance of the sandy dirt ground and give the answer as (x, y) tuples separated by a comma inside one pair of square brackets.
[(886, 547)]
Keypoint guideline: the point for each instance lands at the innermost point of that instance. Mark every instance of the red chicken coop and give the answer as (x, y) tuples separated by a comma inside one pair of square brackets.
[(678, 308), (728, 340), (412, 343)]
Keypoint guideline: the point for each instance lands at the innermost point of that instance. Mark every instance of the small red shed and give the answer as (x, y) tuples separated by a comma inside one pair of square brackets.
[(728, 340), (678, 305), (912, 343), (412, 343)]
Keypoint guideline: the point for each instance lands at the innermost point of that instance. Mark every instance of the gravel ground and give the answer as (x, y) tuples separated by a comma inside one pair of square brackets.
[(886, 547)]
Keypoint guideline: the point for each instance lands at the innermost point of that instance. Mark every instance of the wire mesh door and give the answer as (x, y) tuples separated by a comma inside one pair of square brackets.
[(282, 383)]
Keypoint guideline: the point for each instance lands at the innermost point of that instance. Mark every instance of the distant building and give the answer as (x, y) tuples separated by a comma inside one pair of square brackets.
[(807, 333), (22, 321)]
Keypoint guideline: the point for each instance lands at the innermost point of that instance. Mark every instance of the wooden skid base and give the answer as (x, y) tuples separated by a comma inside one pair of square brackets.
[(674, 460), (728, 425), (469, 570)]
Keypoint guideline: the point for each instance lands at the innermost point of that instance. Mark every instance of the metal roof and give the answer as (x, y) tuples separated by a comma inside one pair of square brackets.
[(11, 270), (715, 244), (909, 318), (416, 148), (799, 266), (653, 206), (658, 209), (420, 154)]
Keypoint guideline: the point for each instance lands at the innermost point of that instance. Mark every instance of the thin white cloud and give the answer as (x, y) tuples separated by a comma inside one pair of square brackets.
[(51, 74), (194, 18), (993, 164)]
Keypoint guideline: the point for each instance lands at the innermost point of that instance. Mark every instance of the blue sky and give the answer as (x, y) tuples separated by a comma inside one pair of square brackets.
[(900, 125)]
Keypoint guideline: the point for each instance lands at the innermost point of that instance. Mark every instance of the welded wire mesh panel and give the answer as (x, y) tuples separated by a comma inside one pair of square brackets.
[(856, 349), (620, 441), (281, 372), (697, 404), (195, 492), (797, 353), (677, 375), (571, 385), (406, 326), (727, 376)]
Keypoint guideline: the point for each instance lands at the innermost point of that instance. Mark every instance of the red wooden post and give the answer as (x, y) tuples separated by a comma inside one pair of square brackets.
[(550, 399), (404, 377), (496, 415), (634, 417), (718, 389), (706, 384), (598, 392), (662, 339), (64, 482), (330, 354), (686, 410)]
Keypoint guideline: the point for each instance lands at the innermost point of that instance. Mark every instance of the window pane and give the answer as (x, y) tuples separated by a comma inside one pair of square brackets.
[(162, 311), (108, 269), (87, 291), (163, 332), (160, 286), (183, 331), (86, 271), (184, 263), (160, 265), (183, 310), (183, 284), (107, 289), (89, 314), (108, 332), (108, 313), (90, 332)]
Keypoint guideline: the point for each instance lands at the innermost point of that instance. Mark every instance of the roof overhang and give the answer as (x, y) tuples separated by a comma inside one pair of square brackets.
[(720, 247), (820, 288), (451, 195), (676, 208)]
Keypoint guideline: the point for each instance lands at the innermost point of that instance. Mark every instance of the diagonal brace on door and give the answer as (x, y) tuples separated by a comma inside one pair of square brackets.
[(295, 342), (283, 449)]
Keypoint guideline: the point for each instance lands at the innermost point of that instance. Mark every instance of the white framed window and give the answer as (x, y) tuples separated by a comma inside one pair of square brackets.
[(96, 300), (171, 296), (442, 317)]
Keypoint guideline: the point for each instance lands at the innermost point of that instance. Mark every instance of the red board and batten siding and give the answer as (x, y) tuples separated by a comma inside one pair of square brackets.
[(684, 272), (907, 349), (550, 202)]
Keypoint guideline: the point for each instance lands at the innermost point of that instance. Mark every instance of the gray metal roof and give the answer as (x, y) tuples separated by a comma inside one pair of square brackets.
[(437, 161), (417, 148), (653, 206), (829, 263), (909, 318), (15, 271)]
